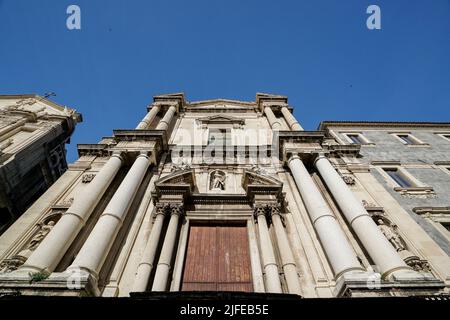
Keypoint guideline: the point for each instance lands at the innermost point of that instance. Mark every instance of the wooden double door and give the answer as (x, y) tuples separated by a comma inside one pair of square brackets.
[(217, 259)]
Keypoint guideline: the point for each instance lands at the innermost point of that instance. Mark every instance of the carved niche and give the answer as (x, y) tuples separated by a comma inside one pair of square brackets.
[(42, 229), (217, 180), (391, 232)]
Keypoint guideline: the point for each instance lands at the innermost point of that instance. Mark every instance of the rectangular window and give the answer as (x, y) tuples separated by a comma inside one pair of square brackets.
[(220, 137), (356, 139), (398, 177), (407, 139)]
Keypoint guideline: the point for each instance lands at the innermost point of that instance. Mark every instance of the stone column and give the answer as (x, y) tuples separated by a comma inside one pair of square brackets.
[(290, 119), (96, 248), (50, 252), (165, 258), (167, 119), (270, 267), (148, 119), (337, 247), (147, 261), (273, 121), (376, 244), (287, 257)]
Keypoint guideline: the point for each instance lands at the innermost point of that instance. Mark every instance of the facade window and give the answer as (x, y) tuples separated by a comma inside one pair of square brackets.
[(356, 138), (408, 139), (219, 137), (446, 225), (399, 177), (446, 136), (439, 217)]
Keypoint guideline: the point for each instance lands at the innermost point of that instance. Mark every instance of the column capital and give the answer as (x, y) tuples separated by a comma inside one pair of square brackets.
[(177, 209), (267, 210), (169, 208)]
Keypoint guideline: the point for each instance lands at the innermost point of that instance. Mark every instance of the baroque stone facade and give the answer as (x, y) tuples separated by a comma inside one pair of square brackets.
[(224, 195), (33, 134)]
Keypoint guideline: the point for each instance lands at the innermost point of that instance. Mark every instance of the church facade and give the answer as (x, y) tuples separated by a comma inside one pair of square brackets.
[(225, 195), (33, 134)]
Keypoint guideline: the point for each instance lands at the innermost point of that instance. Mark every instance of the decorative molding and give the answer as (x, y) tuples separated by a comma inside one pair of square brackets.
[(87, 178)]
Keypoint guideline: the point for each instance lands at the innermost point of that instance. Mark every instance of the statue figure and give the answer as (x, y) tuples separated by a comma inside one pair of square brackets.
[(392, 235), (218, 181), (42, 233)]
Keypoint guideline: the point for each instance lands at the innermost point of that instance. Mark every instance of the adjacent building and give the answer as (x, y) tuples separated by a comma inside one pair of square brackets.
[(226, 195), (33, 134)]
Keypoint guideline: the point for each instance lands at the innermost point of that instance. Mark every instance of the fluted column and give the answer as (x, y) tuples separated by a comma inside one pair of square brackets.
[(50, 252), (96, 248), (165, 258), (275, 124), (147, 261), (148, 119), (270, 267), (167, 119), (376, 244), (337, 248), (290, 119), (287, 257)]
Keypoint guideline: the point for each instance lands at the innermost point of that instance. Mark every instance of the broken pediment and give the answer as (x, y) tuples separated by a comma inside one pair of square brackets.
[(178, 182), (257, 183)]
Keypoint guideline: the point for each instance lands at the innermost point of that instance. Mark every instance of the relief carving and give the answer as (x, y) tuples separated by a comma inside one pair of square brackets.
[(349, 180), (88, 177)]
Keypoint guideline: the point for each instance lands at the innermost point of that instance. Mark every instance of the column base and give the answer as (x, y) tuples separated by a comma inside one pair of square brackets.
[(410, 275), (367, 284), (56, 284)]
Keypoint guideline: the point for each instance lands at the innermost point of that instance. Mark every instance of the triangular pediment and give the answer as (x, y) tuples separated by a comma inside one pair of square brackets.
[(221, 119), (257, 179), (180, 177), (181, 182), (257, 183)]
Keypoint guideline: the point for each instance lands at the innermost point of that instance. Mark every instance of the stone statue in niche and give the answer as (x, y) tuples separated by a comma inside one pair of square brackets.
[(217, 181), (391, 233), (42, 233), (44, 230)]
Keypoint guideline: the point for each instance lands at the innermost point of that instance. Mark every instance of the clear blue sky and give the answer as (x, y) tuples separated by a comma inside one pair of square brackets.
[(319, 53)]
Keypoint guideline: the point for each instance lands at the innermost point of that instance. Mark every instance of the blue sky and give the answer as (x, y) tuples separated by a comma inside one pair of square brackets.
[(319, 53)]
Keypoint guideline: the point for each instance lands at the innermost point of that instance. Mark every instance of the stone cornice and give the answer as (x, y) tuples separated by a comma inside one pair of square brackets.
[(324, 125), (142, 135), (432, 210), (100, 150)]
